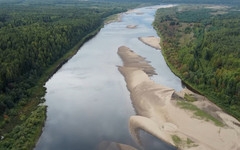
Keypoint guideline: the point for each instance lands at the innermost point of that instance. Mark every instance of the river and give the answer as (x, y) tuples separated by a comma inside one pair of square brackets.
[(88, 102)]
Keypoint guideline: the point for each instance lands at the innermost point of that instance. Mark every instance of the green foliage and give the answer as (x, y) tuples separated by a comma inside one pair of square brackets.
[(209, 59), (190, 16), (189, 98), (177, 140), (181, 143), (199, 113), (24, 136)]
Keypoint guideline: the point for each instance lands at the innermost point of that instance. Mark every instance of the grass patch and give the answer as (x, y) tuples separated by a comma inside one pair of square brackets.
[(182, 143), (189, 98), (199, 113), (189, 141), (177, 140)]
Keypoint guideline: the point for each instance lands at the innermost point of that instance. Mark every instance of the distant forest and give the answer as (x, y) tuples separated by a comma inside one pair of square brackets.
[(31, 2), (202, 45), (218, 2)]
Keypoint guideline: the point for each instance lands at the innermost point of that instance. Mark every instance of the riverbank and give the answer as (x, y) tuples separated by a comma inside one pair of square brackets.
[(57, 65), (183, 119), (200, 72), (35, 99)]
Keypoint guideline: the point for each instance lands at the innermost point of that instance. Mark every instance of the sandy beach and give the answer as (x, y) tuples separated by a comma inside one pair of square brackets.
[(151, 41), (170, 115), (114, 18)]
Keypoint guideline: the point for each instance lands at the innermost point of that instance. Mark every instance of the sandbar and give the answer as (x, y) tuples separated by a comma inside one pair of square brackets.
[(159, 113), (151, 41), (131, 26)]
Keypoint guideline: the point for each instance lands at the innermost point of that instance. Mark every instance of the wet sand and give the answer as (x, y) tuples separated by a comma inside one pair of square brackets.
[(114, 18), (159, 114)]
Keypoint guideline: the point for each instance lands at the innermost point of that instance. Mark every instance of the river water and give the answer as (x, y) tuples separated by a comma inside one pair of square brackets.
[(88, 102)]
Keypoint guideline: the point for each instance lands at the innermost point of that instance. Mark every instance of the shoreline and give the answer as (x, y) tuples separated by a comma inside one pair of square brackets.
[(59, 63), (113, 18), (38, 92), (165, 113)]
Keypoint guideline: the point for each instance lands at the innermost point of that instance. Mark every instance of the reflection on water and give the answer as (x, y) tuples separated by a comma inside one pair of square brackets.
[(87, 99), (150, 142)]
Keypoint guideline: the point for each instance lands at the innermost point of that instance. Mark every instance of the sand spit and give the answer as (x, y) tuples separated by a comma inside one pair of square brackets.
[(131, 26), (159, 112), (134, 61), (151, 41), (134, 11), (114, 146), (114, 18)]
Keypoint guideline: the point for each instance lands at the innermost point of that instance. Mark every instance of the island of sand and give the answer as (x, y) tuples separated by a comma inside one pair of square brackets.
[(131, 26), (151, 41), (183, 119)]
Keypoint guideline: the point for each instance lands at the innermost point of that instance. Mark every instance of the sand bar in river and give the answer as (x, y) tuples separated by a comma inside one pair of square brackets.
[(159, 113), (151, 41)]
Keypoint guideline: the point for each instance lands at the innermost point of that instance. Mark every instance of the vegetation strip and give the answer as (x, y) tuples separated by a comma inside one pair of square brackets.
[(199, 113)]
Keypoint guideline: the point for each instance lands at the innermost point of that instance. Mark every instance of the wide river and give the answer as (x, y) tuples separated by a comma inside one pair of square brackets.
[(88, 102)]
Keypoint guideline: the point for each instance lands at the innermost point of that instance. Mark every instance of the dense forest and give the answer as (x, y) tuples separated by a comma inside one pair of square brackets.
[(34, 41), (31, 39), (202, 45)]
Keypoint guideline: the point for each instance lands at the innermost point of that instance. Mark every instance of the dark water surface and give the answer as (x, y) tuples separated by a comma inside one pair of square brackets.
[(87, 99)]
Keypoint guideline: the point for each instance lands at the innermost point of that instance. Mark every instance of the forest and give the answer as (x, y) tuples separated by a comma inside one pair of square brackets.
[(35, 40), (201, 44)]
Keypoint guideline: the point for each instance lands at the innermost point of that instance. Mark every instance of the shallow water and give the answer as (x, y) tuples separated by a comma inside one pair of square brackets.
[(87, 99)]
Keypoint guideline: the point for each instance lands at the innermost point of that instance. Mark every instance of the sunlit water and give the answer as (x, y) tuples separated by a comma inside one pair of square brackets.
[(87, 99)]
